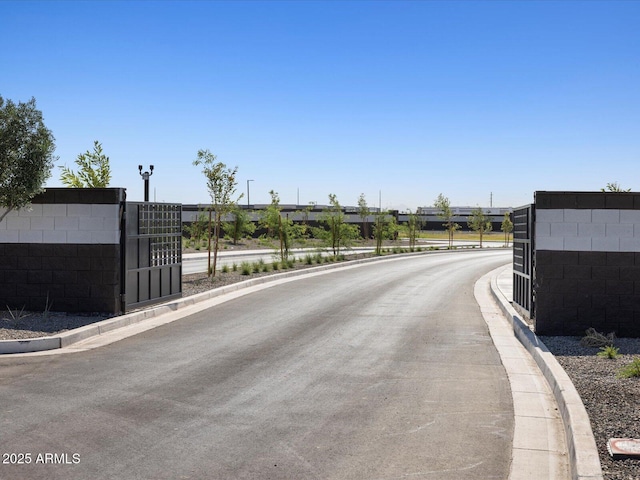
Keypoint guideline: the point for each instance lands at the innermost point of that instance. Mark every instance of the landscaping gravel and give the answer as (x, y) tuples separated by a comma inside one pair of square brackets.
[(613, 403)]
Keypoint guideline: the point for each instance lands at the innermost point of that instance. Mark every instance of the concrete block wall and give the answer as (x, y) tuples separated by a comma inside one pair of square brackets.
[(63, 250), (587, 263)]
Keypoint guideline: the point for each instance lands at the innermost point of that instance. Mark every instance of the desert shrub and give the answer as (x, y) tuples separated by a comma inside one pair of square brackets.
[(593, 338), (631, 370)]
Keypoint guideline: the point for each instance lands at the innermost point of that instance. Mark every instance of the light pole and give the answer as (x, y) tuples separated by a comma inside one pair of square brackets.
[(248, 203), (145, 176)]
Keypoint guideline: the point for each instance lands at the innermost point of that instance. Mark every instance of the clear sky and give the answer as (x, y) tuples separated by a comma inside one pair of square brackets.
[(398, 99)]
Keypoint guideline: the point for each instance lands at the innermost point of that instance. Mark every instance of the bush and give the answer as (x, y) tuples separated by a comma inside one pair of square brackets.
[(308, 259), (631, 370), (593, 338), (245, 268), (225, 268), (608, 351)]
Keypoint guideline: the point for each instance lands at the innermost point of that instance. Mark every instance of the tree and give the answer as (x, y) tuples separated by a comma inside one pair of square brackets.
[(338, 233), (221, 183), (276, 226), (446, 213), (94, 170), (384, 228), (506, 227), (364, 212), (26, 153), (239, 226), (614, 187), (413, 223), (479, 222)]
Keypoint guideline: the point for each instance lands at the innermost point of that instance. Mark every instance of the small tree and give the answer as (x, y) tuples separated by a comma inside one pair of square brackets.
[(506, 227), (221, 183), (338, 233), (276, 226), (364, 212), (413, 223), (384, 228), (94, 170), (239, 226), (446, 213), (614, 187), (26, 153), (479, 222)]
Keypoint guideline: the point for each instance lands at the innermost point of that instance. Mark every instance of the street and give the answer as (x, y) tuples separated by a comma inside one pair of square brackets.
[(381, 371)]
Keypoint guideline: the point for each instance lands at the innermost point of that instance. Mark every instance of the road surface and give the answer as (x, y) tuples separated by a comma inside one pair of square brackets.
[(381, 371)]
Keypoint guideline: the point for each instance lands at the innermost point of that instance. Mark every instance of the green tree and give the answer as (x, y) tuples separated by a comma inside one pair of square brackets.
[(276, 226), (614, 187), (413, 224), (239, 226), (445, 213), (364, 212), (384, 228), (479, 222), (222, 184), (26, 153), (198, 228), (338, 233), (94, 170), (506, 227)]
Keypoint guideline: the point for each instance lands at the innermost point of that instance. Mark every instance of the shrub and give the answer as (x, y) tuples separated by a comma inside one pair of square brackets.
[(631, 370), (225, 268), (256, 267), (245, 268), (308, 259), (608, 351), (593, 338), (275, 265), (234, 267)]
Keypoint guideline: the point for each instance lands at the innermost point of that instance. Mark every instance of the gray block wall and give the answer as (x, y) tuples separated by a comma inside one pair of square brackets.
[(63, 251), (587, 263)]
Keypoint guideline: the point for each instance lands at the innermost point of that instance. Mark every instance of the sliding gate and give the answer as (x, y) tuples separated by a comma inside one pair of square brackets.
[(523, 259), (153, 253)]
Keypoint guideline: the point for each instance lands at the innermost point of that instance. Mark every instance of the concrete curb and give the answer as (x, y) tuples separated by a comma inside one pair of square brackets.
[(584, 460), (70, 337)]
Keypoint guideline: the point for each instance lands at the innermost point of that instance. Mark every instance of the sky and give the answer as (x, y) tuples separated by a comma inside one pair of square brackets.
[(485, 102)]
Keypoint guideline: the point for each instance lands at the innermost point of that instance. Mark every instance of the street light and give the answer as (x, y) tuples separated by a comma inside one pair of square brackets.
[(145, 176), (248, 204)]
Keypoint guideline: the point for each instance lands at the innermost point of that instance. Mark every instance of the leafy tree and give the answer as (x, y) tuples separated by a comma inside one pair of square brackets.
[(221, 183), (338, 233), (614, 187), (445, 213), (506, 227), (384, 228), (364, 212), (198, 228), (26, 153), (413, 224), (94, 170), (276, 226), (479, 222), (239, 226)]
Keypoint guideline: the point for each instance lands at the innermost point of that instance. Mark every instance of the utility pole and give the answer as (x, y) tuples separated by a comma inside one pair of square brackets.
[(248, 203)]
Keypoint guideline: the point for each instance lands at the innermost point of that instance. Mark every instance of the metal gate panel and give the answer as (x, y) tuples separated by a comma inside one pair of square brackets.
[(153, 253), (523, 259)]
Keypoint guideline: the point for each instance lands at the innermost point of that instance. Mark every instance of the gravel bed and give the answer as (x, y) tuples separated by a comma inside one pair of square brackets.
[(613, 404)]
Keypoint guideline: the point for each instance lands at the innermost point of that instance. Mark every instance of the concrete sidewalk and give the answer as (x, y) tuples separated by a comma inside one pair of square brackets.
[(553, 436)]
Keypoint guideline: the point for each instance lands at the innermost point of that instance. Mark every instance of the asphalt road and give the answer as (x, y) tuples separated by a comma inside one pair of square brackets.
[(381, 371)]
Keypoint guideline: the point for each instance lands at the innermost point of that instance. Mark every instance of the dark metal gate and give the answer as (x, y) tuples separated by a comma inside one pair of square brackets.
[(523, 237), (153, 253)]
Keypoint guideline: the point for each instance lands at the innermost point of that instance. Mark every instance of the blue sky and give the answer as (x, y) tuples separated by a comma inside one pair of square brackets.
[(407, 99)]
